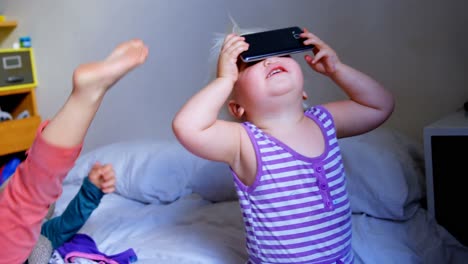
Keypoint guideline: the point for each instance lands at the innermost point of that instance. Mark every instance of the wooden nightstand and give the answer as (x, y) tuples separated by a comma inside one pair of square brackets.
[(446, 158)]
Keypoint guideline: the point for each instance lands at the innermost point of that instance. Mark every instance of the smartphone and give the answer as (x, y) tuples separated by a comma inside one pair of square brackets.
[(276, 42)]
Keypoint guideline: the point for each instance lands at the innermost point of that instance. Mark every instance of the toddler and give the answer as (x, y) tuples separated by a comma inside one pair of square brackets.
[(286, 162)]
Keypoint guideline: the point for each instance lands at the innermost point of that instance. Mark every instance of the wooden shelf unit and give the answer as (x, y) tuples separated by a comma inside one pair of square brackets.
[(5, 28), (8, 24), (17, 135)]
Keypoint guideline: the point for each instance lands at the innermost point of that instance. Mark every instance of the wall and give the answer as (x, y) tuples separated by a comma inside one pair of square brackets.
[(417, 49)]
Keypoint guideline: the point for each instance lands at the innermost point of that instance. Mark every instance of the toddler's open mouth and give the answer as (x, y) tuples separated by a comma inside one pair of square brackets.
[(276, 70)]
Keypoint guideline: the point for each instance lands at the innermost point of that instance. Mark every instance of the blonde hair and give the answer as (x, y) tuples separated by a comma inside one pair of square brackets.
[(218, 41), (218, 38)]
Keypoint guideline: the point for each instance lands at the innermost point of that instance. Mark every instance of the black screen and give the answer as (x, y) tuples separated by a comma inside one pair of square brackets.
[(450, 181), (274, 43)]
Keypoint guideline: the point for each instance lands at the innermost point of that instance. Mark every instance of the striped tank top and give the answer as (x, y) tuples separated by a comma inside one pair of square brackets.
[(297, 210)]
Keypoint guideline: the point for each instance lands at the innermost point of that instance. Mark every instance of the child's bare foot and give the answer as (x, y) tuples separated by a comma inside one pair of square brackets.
[(92, 80)]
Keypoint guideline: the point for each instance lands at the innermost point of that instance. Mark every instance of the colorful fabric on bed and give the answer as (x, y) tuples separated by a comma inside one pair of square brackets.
[(83, 246)]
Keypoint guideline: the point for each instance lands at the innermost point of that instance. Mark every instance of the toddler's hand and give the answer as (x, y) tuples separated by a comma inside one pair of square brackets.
[(103, 177), (325, 60), (227, 63)]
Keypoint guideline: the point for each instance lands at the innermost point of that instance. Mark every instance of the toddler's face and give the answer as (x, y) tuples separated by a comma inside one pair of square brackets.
[(266, 79)]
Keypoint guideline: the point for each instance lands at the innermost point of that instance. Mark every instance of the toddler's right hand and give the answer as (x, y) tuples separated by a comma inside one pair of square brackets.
[(232, 47), (103, 177)]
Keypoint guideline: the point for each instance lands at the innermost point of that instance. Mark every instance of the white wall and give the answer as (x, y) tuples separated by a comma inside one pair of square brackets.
[(417, 49)]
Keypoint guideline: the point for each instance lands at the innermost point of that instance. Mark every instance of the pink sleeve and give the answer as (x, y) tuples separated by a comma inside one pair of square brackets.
[(24, 202)]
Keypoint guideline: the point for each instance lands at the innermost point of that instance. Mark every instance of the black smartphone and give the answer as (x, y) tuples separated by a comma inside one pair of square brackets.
[(276, 42)]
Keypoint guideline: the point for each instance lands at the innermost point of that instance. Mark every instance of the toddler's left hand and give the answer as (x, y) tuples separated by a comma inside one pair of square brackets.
[(325, 60), (103, 177)]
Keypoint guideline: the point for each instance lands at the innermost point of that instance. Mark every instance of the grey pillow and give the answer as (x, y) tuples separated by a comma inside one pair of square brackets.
[(385, 174)]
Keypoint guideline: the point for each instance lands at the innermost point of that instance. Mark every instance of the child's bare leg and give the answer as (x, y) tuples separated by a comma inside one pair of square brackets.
[(90, 83), (93, 79)]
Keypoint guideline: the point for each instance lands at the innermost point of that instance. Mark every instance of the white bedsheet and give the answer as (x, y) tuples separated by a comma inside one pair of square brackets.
[(417, 240), (189, 230), (193, 230)]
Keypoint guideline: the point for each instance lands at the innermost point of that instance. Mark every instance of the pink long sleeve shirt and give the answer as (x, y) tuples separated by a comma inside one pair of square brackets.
[(24, 202)]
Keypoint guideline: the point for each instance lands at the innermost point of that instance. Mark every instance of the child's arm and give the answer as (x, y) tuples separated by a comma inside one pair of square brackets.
[(101, 180), (197, 126), (369, 104), (37, 182)]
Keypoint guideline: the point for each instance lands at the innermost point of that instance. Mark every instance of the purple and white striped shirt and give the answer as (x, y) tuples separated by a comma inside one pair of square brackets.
[(297, 210)]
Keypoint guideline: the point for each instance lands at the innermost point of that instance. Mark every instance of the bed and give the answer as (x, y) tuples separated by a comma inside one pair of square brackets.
[(172, 207)]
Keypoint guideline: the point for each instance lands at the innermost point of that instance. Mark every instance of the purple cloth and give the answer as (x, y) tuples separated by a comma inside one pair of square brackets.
[(82, 245)]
